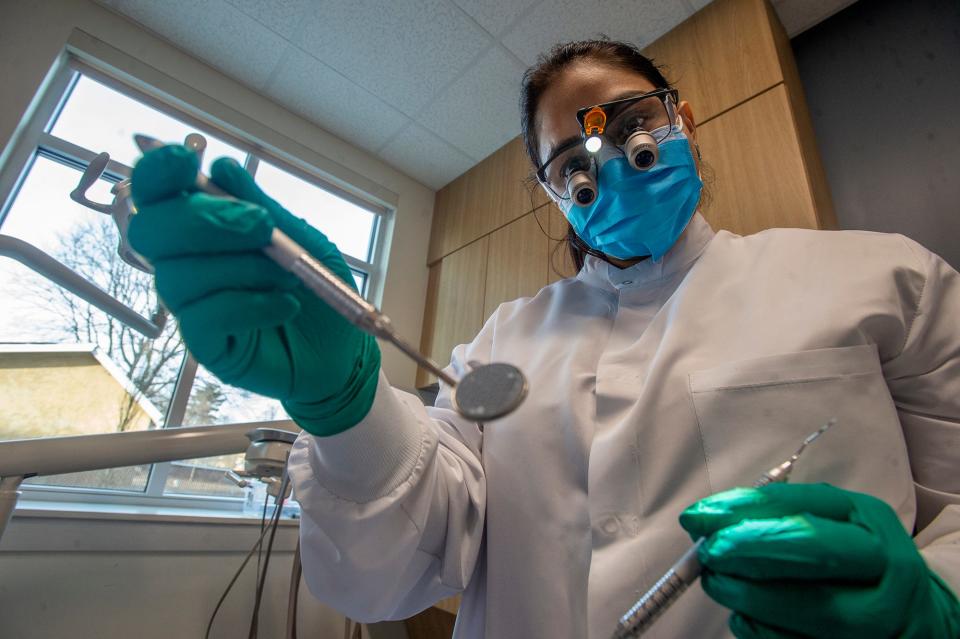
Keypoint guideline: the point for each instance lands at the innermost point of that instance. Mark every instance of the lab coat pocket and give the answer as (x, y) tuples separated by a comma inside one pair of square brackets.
[(753, 414)]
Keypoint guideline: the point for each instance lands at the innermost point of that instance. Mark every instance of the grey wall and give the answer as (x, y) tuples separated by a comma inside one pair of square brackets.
[(882, 80)]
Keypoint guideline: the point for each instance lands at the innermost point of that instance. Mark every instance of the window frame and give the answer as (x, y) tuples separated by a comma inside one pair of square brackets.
[(35, 141)]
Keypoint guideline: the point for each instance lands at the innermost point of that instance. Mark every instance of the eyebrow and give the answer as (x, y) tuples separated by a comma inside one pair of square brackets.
[(562, 145)]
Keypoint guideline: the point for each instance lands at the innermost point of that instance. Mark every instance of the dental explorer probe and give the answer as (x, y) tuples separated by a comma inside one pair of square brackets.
[(486, 392), (665, 592)]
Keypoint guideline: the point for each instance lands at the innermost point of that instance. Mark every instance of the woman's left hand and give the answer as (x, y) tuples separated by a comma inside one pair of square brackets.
[(812, 560)]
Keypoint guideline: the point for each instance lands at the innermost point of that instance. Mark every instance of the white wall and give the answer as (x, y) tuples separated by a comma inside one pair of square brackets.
[(32, 36), (97, 576)]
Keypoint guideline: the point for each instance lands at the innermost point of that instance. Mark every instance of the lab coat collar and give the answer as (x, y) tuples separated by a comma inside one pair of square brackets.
[(693, 241)]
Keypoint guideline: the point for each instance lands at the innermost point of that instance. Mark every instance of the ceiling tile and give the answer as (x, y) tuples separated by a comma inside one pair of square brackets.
[(556, 21), (405, 52), (283, 16), (495, 15), (425, 157), (212, 31), (479, 112), (799, 15), (312, 89), (699, 4)]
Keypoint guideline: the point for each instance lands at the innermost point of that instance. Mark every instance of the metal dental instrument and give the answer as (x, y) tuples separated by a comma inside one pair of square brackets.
[(487, 392), (665, 592)]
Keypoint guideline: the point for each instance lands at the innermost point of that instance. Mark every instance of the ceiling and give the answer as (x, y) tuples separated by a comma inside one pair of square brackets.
[(429, 86)]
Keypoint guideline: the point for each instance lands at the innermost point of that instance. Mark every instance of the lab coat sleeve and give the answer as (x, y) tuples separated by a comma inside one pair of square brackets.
[(924, 379), (393, 508)]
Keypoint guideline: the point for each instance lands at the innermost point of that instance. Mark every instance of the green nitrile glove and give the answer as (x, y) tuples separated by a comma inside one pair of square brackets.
[(243, 317), (812, 560)]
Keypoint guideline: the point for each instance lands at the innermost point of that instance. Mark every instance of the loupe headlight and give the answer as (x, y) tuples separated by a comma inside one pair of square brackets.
[(582, 188)]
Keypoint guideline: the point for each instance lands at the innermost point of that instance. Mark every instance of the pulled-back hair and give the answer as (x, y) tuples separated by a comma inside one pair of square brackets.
[(549, 66)]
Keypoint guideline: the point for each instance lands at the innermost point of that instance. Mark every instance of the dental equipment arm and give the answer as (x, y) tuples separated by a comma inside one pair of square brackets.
[(41, 263), (485, 393)]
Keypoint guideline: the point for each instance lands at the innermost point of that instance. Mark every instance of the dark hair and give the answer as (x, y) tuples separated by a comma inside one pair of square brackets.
[(540, 76)]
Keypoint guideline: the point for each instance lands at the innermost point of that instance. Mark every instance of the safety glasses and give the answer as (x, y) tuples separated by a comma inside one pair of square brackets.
[(614, 123)]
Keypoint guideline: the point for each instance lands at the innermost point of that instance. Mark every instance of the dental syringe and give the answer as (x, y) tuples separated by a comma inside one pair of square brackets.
[(486, 392), (665, 592)]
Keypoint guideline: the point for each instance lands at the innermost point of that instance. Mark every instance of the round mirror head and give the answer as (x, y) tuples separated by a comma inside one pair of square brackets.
[(489, 392)]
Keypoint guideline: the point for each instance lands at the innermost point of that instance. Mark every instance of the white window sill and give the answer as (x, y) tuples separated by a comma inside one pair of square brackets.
[(126, 512), (50, 526)]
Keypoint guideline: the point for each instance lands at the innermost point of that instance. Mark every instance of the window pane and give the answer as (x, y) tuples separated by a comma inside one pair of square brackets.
[(361, 279), (213, 402), (347, 225), (99, 118), (66, 368)]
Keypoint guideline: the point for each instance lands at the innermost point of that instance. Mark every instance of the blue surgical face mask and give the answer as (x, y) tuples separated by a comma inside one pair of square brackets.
[(640, 213)]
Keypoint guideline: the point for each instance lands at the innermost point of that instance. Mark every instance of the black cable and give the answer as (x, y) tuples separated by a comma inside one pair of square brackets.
[(256, 546), (281, 497), (292, 600), (263, 526)]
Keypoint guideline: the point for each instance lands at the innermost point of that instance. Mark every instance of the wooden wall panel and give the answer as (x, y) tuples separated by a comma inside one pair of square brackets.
[(720, 56), (810, 154), (493, 193), (455, 303), (517, 262), (432, 623), (760, 181)]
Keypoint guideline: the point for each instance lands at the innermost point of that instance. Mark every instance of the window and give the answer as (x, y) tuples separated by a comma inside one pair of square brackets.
[(68, 368)]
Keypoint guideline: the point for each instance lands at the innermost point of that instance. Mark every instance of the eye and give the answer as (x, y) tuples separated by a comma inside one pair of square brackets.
[(576, 163)]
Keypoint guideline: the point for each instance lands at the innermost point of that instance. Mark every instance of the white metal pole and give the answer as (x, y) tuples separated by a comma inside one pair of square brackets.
[(56, 455)]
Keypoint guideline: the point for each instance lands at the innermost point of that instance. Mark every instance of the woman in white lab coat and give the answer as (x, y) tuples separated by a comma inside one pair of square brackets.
[(678, 363)]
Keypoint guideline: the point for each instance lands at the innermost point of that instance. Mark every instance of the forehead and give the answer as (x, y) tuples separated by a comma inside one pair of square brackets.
[(581, 84)]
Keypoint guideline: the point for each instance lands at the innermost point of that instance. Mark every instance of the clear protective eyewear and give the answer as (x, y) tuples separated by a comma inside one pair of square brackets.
[(634, 125)]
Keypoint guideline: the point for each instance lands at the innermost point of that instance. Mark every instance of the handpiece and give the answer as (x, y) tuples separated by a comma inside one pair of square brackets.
[(487, 392), (665, 592)]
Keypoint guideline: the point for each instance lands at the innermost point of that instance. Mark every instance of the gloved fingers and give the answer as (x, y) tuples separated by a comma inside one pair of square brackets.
[(801, 547), (184, 280), (796, 606), (198, 224), (209, 323), (234, 179), (775, 500), (747, 628), (163, 173)]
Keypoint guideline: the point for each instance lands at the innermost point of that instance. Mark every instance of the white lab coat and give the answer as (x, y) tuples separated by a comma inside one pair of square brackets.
[(650, 387)]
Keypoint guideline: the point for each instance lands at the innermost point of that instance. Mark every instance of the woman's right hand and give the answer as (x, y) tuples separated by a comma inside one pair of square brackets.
[(242, 316)]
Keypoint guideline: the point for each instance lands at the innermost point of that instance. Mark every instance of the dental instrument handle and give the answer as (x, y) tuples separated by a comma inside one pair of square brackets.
[(661, 595), (687, 569), (343, 299), (681, 575)]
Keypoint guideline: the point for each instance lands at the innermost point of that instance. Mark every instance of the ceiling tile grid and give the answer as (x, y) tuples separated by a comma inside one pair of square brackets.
[(405, 52), (478, 113), (430, 86), (495, 15), (556, 21), (285, 17), (426, 157), (799, 15), (212, 31), (319, 94)]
